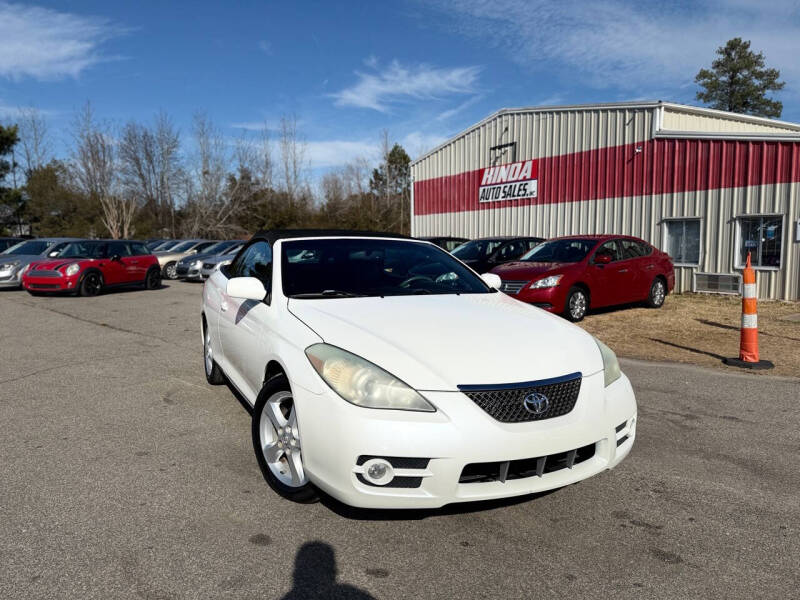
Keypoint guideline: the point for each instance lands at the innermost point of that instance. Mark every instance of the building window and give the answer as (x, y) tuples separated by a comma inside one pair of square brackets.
[(683, 241), (760, 236)]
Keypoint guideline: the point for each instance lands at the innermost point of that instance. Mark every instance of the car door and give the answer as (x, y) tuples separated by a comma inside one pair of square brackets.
[(635, 254), (113, 270), (120, 253), (245, 325), (610, 282), (138, 262)]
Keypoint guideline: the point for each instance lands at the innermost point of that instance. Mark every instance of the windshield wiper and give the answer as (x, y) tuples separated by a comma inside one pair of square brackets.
[(329, 294)]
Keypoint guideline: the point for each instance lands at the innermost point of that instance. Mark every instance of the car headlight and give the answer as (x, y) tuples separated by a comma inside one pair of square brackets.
[(197, 264), (9, 265), (361, 383), (72, 269), (611, 371), (547, 282)]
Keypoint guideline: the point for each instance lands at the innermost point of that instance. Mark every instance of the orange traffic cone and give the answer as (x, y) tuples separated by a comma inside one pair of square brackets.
[(748, 343)]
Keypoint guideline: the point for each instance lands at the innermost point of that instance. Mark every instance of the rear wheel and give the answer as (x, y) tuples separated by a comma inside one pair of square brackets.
[(153, 279), (91, 284), (658, 293), (171, 271), (214, 374), (276, 441), (577, 304)]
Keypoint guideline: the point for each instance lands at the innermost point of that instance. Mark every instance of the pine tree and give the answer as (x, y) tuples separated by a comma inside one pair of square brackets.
[(738, 81)]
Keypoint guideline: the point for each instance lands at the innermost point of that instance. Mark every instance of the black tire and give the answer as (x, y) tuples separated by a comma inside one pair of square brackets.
[(91, 284), (214, 374), (305, 493), (153, 278), (577, 304), (170, 270), (657, 294)]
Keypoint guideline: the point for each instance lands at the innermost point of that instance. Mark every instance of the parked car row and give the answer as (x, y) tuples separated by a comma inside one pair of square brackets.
[(572, 274)]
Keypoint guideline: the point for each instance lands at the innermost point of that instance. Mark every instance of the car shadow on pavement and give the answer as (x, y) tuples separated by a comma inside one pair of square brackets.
[(414, 514), (688, 348), (315, 576), (737, 328)]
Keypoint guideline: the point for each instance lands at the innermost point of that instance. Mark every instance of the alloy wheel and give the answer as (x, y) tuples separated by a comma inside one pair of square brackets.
[(577, 305), (171, 271), (208, 353), (92, 284), (658, 292), (279, 438)]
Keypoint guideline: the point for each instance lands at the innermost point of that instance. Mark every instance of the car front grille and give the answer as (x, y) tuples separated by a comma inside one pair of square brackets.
[(527, 467), (44, 273), (512, 287), (507, 403), (208, 266), (43, 286)]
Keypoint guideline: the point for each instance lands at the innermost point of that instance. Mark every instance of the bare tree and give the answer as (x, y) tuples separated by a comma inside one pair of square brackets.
[(294, 178), (151, 166), (34, 139), (95, 170)]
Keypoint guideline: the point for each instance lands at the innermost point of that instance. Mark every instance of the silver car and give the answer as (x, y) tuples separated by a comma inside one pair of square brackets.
[(14, 259), (189, 267), (212, 264), (168, 260)]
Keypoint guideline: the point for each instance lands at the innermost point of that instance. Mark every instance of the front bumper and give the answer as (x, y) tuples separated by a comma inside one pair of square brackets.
[(188, 272), (459, 433), (551, 299), (50, 284), (10, 278)]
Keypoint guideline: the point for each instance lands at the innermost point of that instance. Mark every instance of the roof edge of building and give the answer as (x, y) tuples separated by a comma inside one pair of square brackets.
[(632, 104)]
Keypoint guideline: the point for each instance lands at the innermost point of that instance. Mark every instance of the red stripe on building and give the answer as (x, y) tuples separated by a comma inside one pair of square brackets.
[(661, 166)]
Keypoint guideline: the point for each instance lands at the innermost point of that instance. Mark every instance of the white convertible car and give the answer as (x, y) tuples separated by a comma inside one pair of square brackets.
[(388, 374)]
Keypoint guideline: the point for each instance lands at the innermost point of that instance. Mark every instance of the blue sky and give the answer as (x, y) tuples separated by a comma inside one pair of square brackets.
[(421, 70)]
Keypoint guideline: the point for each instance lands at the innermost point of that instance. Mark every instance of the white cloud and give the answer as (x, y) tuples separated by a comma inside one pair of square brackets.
[(48, 44), (10, 111), (450, 113), (625, 44), (397, 83), (337, 153), (419, 142)]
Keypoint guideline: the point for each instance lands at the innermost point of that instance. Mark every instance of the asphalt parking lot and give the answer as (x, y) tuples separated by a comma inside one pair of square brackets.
[(125, 476)]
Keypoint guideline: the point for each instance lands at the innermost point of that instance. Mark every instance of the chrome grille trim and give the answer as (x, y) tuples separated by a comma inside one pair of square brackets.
[(512, 287)]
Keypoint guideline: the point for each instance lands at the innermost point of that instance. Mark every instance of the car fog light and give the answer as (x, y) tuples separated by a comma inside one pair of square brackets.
[(378, 471)]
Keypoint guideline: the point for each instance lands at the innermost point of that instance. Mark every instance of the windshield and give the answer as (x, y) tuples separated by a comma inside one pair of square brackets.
[(476, 249), (183, 246), (32, 247), (331, 268), (84, 250), (561, 251), (219, 247), (166, 245)]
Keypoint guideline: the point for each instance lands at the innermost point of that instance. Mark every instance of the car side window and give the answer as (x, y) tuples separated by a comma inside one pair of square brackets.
[(255, 261), (509, 251), (118, 249), (139, 248), (610, 248)]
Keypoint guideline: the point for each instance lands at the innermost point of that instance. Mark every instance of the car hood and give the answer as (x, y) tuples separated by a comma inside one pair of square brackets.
[(53, 264), (23, 259), (169, 256), (519, 270), (190, 258), (439, 342)]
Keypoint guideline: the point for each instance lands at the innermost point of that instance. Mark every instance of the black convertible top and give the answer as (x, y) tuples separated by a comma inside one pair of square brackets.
[(273, 235)]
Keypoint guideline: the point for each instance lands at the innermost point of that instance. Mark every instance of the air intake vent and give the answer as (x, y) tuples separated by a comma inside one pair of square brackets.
[(717, 283)]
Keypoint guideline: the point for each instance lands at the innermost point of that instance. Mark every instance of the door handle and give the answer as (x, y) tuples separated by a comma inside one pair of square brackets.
[(648, 267)]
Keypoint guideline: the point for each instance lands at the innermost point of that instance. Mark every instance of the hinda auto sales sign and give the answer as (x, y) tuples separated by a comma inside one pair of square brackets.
[(513, 181)]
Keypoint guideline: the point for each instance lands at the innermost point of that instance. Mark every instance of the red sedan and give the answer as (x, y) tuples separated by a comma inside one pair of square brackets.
[(571, 274), (90, 266)]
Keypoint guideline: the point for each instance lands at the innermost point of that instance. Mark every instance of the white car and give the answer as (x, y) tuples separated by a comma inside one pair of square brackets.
[(388, 374)]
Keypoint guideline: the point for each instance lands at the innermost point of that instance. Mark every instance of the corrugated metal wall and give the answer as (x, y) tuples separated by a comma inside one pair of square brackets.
[(678, 119), (601, 171)]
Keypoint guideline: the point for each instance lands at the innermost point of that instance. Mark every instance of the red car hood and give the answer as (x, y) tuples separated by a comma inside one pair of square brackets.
[(53, 264), (519, 270)]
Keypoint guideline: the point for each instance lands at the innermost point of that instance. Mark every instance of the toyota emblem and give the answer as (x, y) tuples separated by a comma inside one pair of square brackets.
[(536, 404)]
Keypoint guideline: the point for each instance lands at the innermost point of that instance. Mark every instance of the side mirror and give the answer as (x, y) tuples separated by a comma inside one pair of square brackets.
[(492, 280), (602, 259), (246, 288)]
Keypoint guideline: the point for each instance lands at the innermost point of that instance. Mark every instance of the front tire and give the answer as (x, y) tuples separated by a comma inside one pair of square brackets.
[(171, 270), (577, 304), (276, 442), (658, 293), (91, 284), (213, 373), (153, 279)]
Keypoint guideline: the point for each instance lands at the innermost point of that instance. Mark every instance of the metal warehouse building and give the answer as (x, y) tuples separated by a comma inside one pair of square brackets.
[(706, 186)]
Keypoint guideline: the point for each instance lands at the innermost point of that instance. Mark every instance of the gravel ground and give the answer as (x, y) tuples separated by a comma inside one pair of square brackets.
[(125, 476)]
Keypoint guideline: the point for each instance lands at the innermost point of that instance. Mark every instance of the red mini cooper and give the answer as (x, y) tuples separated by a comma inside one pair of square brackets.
[(90, 266), (569, 275)]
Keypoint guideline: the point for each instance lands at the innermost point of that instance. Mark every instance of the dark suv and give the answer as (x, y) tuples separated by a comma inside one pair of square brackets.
[(486, 253)]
